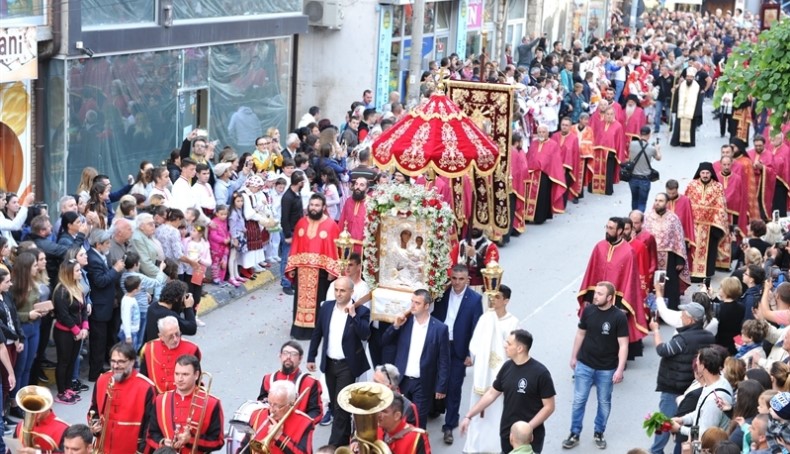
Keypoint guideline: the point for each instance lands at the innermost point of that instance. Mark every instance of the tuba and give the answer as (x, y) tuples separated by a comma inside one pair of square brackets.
[(364, 401), (33, 400)]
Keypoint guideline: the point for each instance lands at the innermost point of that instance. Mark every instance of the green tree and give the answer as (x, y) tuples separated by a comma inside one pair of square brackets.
[(761, 71)]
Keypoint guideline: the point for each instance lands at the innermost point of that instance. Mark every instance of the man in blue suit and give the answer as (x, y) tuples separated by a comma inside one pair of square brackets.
[(103, 279), (340, 329), (423, 354), (459, 308)]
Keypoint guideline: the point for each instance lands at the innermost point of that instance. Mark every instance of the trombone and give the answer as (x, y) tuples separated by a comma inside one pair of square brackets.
[(262, 447)]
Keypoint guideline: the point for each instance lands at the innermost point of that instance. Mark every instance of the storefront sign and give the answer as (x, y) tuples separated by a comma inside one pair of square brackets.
[(18, 54), (427, 47), (474, 17), (460, 37), (385, 49)]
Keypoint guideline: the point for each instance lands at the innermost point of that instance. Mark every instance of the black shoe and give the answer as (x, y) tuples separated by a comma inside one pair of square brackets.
[(78, 386), (448, 437), (16, 412), (288, 291), (327, 419), (47, 364), (42, 377), (9, 422)]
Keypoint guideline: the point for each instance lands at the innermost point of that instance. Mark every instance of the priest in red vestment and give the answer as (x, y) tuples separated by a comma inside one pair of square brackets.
[(781, 156), (642, 256), (120, 404), (461, 189), (475, 254), (681, 206), (734, 192), (569, 144), (312, 264), (747, 166), (619, 113), (518, 182), (637, 219), (709, 208), (546, 179), (158, 356), (609, 150), (634, 118), (764, 175), (614, 260), (584, 132), (354, 214), (666, 228)]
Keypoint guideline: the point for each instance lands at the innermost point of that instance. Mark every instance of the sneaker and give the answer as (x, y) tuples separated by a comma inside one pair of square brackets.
[(9, 430), (599, 440), (199, 322), (74, 395), (16, 412), (78, 386), (571, 442), (65, 399), (42, 377), (288, 291), (327, 419)]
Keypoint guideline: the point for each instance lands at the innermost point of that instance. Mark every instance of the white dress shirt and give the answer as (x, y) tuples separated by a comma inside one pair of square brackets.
[(337, 324), (182, 195), (204, 196), (418, 334), (453, 305)]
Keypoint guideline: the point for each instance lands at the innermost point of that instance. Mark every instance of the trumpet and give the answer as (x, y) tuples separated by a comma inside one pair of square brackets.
[(262, 447), (33, 400), (98, 447)]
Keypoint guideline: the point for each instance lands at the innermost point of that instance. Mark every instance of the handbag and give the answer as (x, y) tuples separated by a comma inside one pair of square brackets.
[(627, 169)]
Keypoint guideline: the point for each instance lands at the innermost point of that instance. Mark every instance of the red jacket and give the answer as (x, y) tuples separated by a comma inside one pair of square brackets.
[(296, 436), (128, 413), (172, 410), (47, 433), (312, 405), (158, 362), (406, 439)]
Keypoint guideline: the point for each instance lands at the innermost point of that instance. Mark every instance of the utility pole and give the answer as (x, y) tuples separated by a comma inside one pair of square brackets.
[(634, 10), (415, 53)]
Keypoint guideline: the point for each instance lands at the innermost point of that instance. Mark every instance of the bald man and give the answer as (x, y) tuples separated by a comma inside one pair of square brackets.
[(342, 356), (521, 437)]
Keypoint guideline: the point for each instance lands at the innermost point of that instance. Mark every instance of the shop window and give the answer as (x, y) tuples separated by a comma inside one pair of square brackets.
[(444, 15), (397, 22), (517, 9), (488, 10), (200, 9), (18, 9), (430, 16), (98, 13)]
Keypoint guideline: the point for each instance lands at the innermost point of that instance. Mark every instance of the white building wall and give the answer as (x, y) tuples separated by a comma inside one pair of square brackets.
[(334, 67)]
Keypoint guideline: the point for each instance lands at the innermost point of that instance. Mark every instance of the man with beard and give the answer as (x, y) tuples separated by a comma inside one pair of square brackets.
[(747, 169), (642, 256), (681, 206), (312, 264), (158, 357), (730, 176), (475, 255), (609, 149), (120, 405), (635, 118), (709, 208), (291, 354), (586, 138), (781, 159), (688, 110), (765, 176), (353, 217), (614, 260), (569, 145), (546, 179), (175, 421), (672, 259), (637, 219), (619, 114)]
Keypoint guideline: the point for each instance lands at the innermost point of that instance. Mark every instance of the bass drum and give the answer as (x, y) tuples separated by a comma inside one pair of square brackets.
[(240, 428)]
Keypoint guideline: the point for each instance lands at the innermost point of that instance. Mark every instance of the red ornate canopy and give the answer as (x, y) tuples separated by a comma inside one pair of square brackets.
[(436, 136)]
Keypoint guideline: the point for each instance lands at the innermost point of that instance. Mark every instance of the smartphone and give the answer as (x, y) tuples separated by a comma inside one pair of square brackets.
[(775, 216), (694, 435), (662, 278)]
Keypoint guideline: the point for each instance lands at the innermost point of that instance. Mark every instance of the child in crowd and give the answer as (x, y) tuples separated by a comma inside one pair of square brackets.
[(219, 240), (753, 333), (276, 196), (148, 286), (196, 248), (130, 312), (238, 241)]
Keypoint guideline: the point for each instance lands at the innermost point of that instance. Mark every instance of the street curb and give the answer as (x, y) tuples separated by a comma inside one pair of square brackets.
[(222, 296)]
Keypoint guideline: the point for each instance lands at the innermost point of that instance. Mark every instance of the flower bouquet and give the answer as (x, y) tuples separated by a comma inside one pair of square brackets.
[(657, 423)]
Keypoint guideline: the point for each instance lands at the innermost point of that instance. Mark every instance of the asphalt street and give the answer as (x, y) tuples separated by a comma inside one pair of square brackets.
[(543, 266)]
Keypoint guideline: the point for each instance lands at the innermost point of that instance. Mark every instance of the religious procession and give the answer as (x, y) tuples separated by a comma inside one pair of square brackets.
[(386, 234)]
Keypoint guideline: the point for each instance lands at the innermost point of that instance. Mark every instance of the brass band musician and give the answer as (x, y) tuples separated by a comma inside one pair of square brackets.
[(47, 434), (400, 436), (119, 408), (293, 428), (187, 413), (290, 358), (158, 356)]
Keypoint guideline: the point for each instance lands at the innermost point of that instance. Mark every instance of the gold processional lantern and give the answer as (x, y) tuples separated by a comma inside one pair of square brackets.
[(492, 279), (345, 246)]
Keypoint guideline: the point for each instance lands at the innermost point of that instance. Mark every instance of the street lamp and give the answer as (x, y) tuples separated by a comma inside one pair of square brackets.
[(492, 279), (345, 245)]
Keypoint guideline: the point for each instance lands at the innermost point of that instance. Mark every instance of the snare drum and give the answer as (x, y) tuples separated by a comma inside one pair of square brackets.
[(240, 428)]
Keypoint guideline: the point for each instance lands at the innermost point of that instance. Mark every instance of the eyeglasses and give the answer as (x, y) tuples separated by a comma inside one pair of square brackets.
[(384, 371), (292, 354), (119, 362)]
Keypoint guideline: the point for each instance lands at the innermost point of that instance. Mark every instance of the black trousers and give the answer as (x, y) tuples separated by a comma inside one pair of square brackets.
[(338, 375), (67, 349), (45, 328), (672, 284), (100, 340)]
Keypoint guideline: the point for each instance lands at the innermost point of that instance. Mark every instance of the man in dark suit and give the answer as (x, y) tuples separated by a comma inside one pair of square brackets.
[(459, 308), (103, 280), (423, 354), (342, 353)]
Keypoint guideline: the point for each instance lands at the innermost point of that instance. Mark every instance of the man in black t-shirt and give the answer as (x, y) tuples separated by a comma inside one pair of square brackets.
[(528, 389), (598, 359)]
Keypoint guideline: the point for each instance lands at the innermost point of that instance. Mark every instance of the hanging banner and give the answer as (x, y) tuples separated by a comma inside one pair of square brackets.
[(460, 37), (18, 54), (385, 49)]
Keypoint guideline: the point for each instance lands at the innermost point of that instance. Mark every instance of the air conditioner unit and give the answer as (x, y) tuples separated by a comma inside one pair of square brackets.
[(324, 13)]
